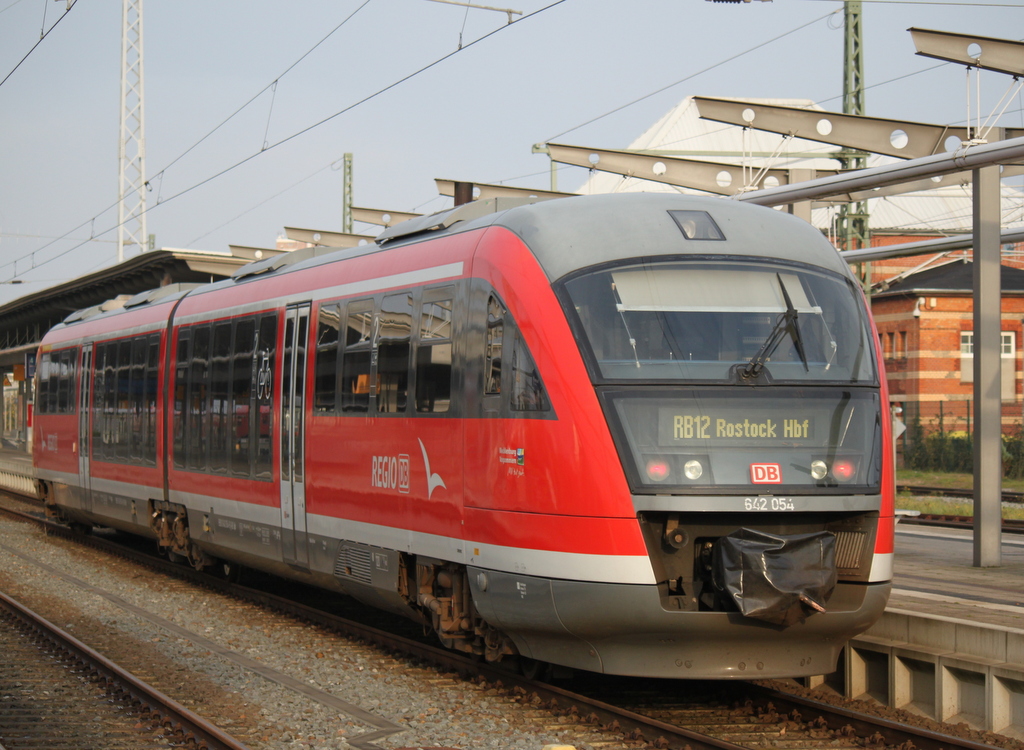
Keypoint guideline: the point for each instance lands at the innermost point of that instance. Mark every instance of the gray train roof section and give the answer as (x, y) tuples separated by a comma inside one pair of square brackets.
[(573, 233)]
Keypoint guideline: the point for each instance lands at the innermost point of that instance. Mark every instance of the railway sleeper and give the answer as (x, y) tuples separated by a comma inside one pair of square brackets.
[(444, 597)]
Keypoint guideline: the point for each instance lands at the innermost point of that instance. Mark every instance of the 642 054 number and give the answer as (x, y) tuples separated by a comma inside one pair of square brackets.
[(768, 503)]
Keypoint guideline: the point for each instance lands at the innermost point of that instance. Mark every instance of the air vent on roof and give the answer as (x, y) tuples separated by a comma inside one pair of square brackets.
[(161, 292), (272, 265), (90, 312), (445, 219)]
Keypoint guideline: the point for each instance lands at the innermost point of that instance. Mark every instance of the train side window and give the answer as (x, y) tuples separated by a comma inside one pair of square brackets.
[(394, 333), (241, 397), (45, 384), (122, 406), (220, 392), (152, 391), (65, 402), (527, 390), (198, 383), (434, 357), (355, 362), (263, 417), (107, 400), (56, 376), (495, 333), (327, 334), (181, 396), (136, 435)]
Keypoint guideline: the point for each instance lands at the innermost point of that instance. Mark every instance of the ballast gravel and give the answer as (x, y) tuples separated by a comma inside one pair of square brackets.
[(412, 706)]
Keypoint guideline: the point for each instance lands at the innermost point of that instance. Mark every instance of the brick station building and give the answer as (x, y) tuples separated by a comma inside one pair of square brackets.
[(926, 330)]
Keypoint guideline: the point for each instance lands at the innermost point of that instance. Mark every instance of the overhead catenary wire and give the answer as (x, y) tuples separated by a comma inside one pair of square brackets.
[(693, 75), (159, 175), (271, 86), (291, 137), (39, 41)]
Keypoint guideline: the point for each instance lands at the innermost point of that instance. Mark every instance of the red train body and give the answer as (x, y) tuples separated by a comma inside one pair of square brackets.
[(566, 431)]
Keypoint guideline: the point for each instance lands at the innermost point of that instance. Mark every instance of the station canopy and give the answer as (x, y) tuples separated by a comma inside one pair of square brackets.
[(681, 132)]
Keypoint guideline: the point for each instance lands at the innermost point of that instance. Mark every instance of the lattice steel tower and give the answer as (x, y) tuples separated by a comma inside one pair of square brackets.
[(853, 217), (131, 211)]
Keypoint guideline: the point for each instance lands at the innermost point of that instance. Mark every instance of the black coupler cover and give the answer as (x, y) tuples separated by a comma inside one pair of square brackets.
[(779, 578)]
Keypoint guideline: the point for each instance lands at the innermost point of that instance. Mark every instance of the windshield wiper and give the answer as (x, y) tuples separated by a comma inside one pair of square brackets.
[(786, 323)]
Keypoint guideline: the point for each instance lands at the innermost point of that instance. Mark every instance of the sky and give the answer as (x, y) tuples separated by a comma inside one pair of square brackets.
[(251, 106)]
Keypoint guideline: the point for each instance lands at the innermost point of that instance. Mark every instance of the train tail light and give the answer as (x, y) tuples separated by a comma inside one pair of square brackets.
[(844, 470), (658, 469)]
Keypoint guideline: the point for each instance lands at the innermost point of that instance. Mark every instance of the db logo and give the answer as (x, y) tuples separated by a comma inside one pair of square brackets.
[(766, 473)]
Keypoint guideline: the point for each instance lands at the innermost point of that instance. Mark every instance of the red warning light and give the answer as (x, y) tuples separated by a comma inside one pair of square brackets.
[(658, 470), (843, 470)]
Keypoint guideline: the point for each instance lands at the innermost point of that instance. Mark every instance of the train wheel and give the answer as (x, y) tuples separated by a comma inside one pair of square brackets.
[(229, 571), (534, 670)]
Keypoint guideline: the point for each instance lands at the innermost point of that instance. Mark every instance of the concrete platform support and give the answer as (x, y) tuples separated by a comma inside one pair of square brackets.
[(14, 476), (945, 669)]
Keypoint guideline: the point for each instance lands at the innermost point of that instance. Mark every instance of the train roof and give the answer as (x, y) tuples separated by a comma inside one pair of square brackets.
[(576, 232), (565, 234), (569, 234)]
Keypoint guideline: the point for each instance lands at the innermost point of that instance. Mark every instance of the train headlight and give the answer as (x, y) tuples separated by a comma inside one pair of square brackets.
[(658, 470), (693, 469), (819, 469)]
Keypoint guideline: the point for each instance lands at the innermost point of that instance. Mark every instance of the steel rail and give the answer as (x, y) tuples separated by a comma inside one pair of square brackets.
[(1009, 496), (597, 712), (172, 715)]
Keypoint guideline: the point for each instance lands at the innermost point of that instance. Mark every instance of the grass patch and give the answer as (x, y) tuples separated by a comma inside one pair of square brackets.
[(949, 480), (938, 506)]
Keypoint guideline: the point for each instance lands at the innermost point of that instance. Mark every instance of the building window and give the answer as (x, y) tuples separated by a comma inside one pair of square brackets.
[(1008, 371)]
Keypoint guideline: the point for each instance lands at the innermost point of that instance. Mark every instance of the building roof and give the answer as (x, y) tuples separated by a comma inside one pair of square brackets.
[(954, 278), (24, 321), (681, 130)]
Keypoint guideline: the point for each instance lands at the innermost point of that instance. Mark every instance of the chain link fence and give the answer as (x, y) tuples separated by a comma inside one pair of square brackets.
[(939, 437)]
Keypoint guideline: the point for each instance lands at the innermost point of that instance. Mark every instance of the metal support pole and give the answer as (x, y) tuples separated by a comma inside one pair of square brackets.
[(346, 195), (801, 210), (988, 454), (463, 193)]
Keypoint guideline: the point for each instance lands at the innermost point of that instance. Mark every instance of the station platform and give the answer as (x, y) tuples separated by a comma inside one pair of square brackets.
[(950, 645), (16, 471)]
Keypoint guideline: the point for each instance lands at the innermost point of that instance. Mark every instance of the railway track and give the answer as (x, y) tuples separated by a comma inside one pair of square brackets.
[(1009, 496), (625, 713), (59, 693)]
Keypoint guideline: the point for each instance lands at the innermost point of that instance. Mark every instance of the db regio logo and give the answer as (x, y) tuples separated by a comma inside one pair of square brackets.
[(390, 472)]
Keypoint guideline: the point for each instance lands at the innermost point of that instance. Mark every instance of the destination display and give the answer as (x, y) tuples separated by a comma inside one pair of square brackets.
[(733, 426)]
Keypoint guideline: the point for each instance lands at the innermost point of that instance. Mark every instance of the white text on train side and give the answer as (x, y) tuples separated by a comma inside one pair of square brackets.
[(390, 472)]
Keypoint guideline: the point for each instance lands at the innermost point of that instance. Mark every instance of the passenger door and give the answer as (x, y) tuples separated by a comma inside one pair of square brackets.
[(84, 428), (294, 548)]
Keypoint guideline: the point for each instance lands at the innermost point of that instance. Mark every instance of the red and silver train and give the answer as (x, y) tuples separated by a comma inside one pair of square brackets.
[(636, 434)]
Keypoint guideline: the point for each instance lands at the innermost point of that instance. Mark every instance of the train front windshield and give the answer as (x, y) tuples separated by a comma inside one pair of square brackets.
[(728, 375)]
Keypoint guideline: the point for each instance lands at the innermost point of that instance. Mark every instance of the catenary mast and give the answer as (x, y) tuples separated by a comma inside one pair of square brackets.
[(131, 211)]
